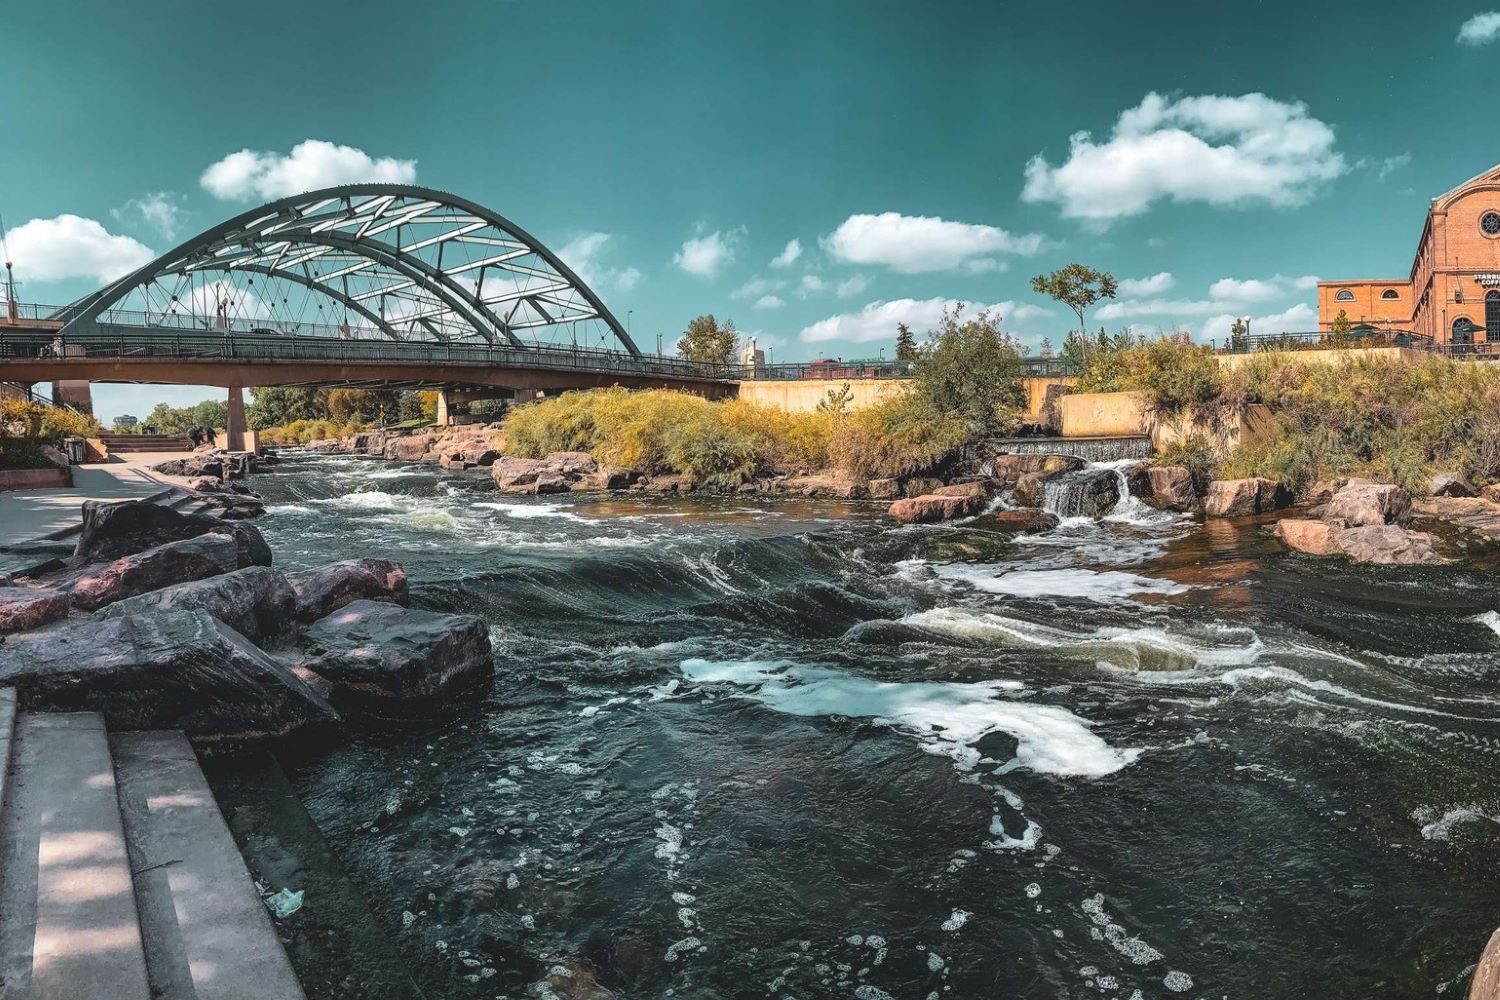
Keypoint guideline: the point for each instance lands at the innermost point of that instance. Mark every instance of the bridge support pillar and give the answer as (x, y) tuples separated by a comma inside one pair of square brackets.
[(235, 432), (444, 411)]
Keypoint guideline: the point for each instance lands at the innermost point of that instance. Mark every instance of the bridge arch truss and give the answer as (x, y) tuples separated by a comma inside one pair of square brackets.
[(363, 261)]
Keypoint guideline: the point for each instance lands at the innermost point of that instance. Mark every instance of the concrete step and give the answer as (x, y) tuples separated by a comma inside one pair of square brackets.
[(207, 934), (68, 926)]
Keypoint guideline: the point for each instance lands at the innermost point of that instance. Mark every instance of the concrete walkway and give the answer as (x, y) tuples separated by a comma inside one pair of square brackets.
[(26, 515)]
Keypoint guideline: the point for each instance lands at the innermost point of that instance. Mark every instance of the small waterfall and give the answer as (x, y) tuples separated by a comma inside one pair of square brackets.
[(1100, 449), (1090, 492)]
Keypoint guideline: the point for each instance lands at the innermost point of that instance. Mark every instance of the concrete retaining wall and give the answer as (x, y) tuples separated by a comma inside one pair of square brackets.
[(1128, 414), (35, 479), (804, 395)]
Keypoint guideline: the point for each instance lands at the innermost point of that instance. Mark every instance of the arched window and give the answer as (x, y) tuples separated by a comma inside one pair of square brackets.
[(1344, 295), (1492, 316), (1463, 330), (1389, 293)]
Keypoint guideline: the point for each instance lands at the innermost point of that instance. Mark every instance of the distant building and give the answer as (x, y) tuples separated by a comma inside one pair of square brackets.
[(1453, 292)]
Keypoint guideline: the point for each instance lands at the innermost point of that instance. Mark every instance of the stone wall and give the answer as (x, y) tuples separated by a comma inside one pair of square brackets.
[(1128, 414)]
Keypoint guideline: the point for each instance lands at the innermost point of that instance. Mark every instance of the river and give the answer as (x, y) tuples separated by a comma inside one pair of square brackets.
[(754, 748)]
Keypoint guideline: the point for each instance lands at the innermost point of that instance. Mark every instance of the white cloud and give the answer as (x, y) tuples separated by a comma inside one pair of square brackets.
[(1226, 293), (1391, 164), (850, 287), (312, 164), (705, 255), (1154, 285), (756, 287), (585, 255), (810, 284), (877, 320), (1218, 150), (1300, 318), (918, 244), (1480, 28), (789, 254), (161, 210), (769, 302), (70, 246)]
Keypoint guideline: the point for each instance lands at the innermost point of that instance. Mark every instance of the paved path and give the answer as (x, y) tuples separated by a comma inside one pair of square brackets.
[(29, 514)]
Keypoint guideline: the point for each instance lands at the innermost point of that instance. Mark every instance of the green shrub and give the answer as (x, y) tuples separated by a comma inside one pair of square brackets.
[(1194, 453), (898, 436)]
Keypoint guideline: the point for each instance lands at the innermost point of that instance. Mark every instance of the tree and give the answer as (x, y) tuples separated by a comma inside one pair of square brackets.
[(1046, 351), (125, 422), (706, 341), (211, 413), (1077, 287), (348, 405), (972, 370), (906, 344), (836, 400), (276, 406), (1341, 325)]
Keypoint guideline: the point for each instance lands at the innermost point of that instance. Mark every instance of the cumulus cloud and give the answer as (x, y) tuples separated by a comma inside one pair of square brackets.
[(1391, 164), (706, 255), (312, 164), (810, 284), (877, 320), (161, 210), (852, 286), (586, 256), (1480, 28), (756, 287), (1154, 285), (70, 246), (769, 302), (1300, 318), (1226, 293), (1218, 150), (788, 255), (918, 244)]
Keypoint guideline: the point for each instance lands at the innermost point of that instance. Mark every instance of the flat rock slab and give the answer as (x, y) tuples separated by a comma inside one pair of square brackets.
[(112, 530), (207, 934), (325, 589), (384, 653), (70, 928), (94, 586), (24, 608), (256, 602), (161, 670)]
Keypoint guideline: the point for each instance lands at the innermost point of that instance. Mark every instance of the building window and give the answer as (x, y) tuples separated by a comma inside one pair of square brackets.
[(1492, 316), (1390, 293), (1463, 331), (1489, 223), (1344, 295)]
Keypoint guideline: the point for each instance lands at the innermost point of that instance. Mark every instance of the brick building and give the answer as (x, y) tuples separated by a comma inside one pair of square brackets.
[(1453, 292)]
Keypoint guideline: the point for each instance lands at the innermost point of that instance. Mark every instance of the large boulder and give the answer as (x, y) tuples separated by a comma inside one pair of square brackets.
[(1166, 487), (1388, 544), (382, 656), (256, 602), (327, 588), (1029, 490), (1365, 502), (1241, 497), (558, 472), (970, 489), (168, 669), (1022, 520), (111, 530), (1446, 484), (930, 509), (1085, 493), (1474, 514), (203, 463), (24, 608), (96, 585), (1009, 468), (410, 448), (1317, 538), (884, 489), (827, 486)]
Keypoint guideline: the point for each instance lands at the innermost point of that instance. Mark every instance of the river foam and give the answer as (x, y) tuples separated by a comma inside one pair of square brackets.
[(948, 717), (1092, 585)]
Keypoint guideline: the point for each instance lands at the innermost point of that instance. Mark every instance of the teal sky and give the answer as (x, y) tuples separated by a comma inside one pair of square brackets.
[(849, 127)]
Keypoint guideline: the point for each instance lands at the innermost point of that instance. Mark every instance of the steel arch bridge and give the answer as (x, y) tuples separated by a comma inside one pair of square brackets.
[(363, 262)]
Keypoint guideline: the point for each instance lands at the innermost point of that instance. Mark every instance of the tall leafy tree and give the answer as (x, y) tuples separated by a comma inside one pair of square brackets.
[(1076, 286), (707, 341), (906, 343), (276, 406)]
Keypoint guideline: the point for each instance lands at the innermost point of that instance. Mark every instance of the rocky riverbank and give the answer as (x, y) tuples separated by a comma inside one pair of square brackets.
[(168, 620)]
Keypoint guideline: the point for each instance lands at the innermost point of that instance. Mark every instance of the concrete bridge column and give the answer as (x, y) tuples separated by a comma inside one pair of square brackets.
[(235, 432), (444, 414)]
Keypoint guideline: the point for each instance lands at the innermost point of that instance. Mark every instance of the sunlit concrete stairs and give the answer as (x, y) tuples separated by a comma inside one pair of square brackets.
[(118, 876)]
